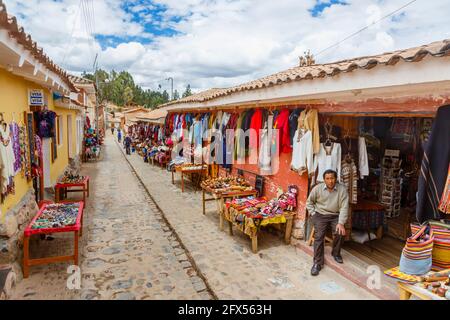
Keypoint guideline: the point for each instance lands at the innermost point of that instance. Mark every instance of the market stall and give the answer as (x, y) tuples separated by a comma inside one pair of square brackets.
[(54, 218), (196, 173), (250, 214), (67, 184)]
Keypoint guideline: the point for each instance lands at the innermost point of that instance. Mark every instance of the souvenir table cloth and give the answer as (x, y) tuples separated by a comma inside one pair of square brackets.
[(54, 218), (62, 188), (190, 169), (249, 214)]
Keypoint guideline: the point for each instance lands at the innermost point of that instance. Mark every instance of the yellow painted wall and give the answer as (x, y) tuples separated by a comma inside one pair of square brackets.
[(14, 99)]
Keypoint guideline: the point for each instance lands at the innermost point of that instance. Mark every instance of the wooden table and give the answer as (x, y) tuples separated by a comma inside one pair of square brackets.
[(62, 189), (408, 290), (77, 229), (254, 236), (184, 171), (221, 196)]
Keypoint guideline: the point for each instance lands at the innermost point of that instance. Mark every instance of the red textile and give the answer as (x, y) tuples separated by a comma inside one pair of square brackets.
[(282, 124), (256, 125)]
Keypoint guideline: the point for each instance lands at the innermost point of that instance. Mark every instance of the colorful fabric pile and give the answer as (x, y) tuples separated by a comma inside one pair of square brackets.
[(57, 216), (72, 178), (227, 184)]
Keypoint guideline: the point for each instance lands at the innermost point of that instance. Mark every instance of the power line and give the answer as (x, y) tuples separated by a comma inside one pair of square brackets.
[(69, 44), (366, 27)]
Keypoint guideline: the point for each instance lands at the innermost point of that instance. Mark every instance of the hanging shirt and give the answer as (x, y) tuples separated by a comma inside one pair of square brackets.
[(46, 124), (255, 126), (293, 124), (7, 158), (363, 158), (328, 158), (265, 158), (282, 124), (15, 146), (349, 178), (302, 153), (309, 120)]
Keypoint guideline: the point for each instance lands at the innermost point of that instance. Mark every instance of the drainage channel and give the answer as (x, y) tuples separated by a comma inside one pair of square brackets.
[(198, 280)]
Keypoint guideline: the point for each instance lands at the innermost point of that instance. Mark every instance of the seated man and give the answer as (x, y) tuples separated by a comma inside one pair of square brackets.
[(328, 205)]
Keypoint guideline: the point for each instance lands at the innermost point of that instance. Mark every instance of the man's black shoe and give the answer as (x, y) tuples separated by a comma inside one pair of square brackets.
[(315, 269), (338, 259)]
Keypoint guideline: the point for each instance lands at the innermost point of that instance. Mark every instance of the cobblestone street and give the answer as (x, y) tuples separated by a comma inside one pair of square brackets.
[(144, 239)]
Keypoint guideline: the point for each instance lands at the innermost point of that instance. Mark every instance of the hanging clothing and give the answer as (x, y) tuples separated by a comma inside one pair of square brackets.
[(7, 160), (444, 205), (349, 178), (282, 124), (309, 120), (239, 147), (265, 155), (46, 124), (328, 158), (15, 140), (302, 153), (255, 126), (434, 167), (293, 124), (363, 158)]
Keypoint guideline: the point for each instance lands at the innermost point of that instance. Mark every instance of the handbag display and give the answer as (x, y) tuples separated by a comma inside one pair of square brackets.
[(416, 258)]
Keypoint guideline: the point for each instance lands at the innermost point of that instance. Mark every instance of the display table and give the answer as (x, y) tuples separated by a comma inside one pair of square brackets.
[(61, 189), (72, 212), (221, 196), (201, 170), (407, 290), (251, 227)]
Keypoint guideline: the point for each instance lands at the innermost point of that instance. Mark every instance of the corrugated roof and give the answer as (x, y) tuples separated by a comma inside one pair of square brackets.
[(416, 54), (10, 24)]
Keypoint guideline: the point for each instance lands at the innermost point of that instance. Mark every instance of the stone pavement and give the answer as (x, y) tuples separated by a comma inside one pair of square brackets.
[(128, 251), (232, 271), (144, 239)]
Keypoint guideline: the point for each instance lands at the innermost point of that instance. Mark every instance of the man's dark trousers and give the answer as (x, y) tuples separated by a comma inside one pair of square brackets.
[(321, 222)]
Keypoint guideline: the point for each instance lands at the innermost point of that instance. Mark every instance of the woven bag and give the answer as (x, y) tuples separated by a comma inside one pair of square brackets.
[(416, 258)]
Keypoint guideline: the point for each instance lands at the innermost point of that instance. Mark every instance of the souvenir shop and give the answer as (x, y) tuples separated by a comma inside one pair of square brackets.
[(377, 157), (148, 139), (91, 142)]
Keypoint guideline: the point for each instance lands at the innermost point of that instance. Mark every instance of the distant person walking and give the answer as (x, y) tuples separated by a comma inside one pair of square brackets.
[(127, 142), (112, 129), (119, 135)]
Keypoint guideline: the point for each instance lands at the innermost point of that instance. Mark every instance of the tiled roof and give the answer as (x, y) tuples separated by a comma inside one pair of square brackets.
[(79, 80), (10, 24), (416, 54)]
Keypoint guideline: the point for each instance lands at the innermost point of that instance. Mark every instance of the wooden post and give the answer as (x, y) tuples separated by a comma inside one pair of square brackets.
[(203, 200), (255, 244), (26, 256), (182, 181), (173, 180), (88, 187), (287, 233), (56, 194)]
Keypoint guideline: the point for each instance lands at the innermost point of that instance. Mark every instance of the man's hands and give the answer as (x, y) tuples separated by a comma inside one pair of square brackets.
[(340, 229)]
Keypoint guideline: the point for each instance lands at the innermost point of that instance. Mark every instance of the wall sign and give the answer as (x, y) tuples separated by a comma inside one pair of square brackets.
[(36, 97)]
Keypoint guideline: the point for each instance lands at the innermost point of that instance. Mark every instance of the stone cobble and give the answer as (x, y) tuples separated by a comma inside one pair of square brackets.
[(232, 271), (128, 251)]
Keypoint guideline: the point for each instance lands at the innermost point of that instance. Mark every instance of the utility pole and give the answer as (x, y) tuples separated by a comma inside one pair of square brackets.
[(96, 95), (171, 88)]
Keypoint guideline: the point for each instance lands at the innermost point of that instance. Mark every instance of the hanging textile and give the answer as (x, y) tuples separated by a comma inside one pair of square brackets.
[(302, 153), (329, 157), (349, 178), (434, 167), (444, 205), (14, 128), (309, 120), (25, 161), (282, 124), (256, 126), (6, 161), (46, 124), (293, 124), (265, 155), (363, 158)]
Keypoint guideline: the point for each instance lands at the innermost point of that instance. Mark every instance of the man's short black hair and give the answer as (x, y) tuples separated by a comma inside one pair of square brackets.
[(329, 171)]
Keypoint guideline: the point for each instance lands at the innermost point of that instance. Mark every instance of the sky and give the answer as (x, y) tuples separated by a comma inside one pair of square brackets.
[(220, 43)]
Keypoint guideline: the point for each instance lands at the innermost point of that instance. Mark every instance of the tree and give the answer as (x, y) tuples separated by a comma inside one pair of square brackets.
[(187, 92), (128, 95), (176, 95)]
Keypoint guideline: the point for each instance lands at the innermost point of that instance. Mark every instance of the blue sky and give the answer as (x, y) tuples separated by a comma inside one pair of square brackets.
[(221, 43)]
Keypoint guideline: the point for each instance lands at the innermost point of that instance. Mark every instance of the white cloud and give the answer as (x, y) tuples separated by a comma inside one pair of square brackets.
[(226, 42)]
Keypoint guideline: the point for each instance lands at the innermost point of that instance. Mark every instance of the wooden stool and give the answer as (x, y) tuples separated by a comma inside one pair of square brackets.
[(311, 238)]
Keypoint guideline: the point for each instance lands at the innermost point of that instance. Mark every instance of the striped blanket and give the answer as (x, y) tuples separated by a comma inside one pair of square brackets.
[(441, 245)]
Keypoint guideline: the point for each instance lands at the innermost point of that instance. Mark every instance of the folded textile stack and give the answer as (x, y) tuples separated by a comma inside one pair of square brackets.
[(57, 216), (224, 184)]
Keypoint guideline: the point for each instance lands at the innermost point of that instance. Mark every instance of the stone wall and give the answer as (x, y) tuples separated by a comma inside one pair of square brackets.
[(12, 226)]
